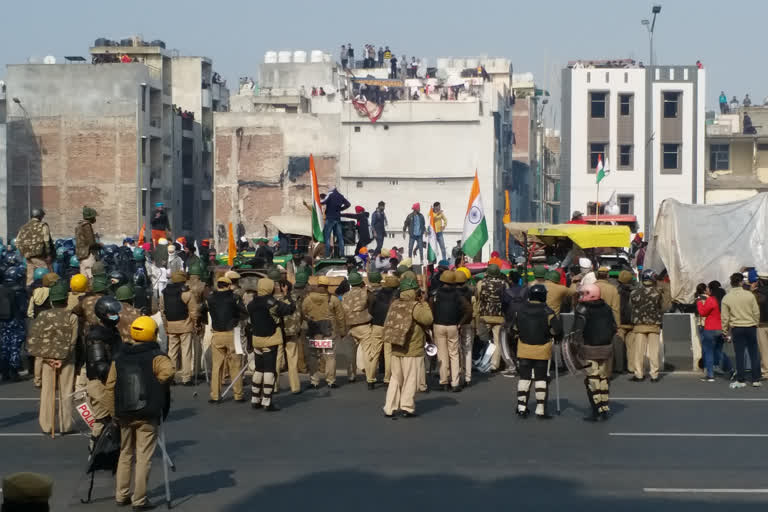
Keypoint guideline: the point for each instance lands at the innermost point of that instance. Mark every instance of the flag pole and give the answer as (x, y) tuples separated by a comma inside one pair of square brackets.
[(597, 203)]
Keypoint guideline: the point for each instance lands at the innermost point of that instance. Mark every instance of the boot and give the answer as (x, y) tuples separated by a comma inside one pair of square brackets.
[(595, 415)]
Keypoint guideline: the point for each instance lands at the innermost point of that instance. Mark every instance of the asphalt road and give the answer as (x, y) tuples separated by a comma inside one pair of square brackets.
[(676, 445)]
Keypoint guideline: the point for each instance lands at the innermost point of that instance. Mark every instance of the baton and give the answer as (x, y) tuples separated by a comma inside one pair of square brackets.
[(161, 438), (239, 376), (557, 378)]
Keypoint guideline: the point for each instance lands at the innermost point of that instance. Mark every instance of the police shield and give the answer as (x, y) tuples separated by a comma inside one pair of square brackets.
[(572, 355)]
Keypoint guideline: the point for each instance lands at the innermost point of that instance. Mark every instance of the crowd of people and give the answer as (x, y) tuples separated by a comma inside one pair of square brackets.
[(119, 323)]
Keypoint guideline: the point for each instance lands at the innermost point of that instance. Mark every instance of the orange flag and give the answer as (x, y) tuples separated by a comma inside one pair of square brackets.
[(141, 234), (232, 247), (507, 219)]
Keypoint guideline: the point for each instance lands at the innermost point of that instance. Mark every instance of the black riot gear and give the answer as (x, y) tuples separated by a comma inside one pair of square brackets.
[(138, 393), (108, 309)]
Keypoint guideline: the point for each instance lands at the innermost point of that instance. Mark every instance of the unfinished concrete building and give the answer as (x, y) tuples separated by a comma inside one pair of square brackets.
[(118, 135)]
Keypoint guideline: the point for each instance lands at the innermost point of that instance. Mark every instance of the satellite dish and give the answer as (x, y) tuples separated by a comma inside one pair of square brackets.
[(49, 59)]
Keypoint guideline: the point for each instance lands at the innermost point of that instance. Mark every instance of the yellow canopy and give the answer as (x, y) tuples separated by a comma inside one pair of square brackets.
[(584, 235), (519, 229)]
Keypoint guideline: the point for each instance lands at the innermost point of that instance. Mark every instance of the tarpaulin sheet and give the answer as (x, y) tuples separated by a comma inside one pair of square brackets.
[(584, 235), (701, 243)]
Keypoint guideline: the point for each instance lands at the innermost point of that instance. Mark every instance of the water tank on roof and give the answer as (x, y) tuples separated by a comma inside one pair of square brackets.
[(283, 56), (270, 57), (316, 56), (300, 56), (110, 43), (126, 41), (472, 63), (158, 42), (102, 41)]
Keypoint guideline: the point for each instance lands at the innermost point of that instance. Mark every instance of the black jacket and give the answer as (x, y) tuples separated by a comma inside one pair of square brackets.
[(335, 203), (379, 306), (449, 306), (225, 309)]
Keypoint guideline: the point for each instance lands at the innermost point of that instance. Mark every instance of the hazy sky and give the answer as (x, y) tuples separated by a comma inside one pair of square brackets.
[(538, 36)]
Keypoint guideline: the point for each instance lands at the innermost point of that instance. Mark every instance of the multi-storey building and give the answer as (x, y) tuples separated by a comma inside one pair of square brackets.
[(647, 123)]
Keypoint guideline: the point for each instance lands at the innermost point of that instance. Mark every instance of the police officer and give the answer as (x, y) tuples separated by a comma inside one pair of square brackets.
[(265, 313), (128, 312), (86, 309), (180, 316), (379, 307), (358, 321), (225, 310), (12, 326), (35, 243), (595, 321), (646, 302), (489, 298), (102, 345), (78, 287), (142, 286), (535, 325), (450, 310), (85, 241), (408, 349), (26, 492), (292, 330), (137, 395), (467, 328), (56, 327), (325, 319)]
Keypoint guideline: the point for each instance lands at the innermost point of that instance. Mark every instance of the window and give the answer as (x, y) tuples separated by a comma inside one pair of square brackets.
[(626, 204), (625, 157), (393, 182), (597, 100), (386, 127), (671, 156), (595, 152), (625, 104), (357, 129), (718, 157), (626, 77), (589, 77), (670, 104), (359, 184)]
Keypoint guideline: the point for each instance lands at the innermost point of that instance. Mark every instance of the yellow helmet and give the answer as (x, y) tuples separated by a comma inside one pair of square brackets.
[(465, 271), (78, 283), (144, 329)]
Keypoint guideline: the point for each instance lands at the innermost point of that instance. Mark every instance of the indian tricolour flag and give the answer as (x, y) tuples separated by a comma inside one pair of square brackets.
[(601, 169), (431, 239), (317, 211), (475, 228)]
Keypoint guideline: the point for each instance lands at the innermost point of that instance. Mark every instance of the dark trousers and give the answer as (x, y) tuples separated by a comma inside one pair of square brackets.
[(745, 342), (333, 227), (379, 243)]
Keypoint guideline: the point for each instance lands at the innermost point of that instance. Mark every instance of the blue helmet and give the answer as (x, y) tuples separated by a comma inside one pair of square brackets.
[(10, 258), (39, 273), (13, 275), (61, 253)]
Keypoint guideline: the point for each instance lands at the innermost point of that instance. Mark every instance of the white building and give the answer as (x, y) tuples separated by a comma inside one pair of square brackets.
[(428, 150), (648, 123)]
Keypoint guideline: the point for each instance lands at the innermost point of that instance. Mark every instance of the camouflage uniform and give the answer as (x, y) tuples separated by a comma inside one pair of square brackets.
[(407, 359), (85, 241), (646, 304), (128, 314), (358, 320), (56, 328), (318, 306), (34, 241), (490, 311)]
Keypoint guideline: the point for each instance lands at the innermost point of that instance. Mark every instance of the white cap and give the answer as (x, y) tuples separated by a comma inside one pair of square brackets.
[(585, 263)]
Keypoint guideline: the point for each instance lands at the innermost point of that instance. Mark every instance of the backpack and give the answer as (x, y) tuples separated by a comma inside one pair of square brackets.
[(490, 297), (50, 335), (83, 239), (175, 308), (762, 302), (31, 240), (7, 304), (355, 304), (517, 297), (399, 322)]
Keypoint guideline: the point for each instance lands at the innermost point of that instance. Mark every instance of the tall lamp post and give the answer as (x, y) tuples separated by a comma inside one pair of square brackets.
[(650, 25), (29, 171)]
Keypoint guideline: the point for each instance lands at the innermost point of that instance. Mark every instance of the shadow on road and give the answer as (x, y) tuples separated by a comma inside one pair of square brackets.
[(22, 417), (450, 492)]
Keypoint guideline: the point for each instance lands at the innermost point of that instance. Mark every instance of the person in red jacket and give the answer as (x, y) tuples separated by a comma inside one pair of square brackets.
[(709, 310), (577, 218)]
